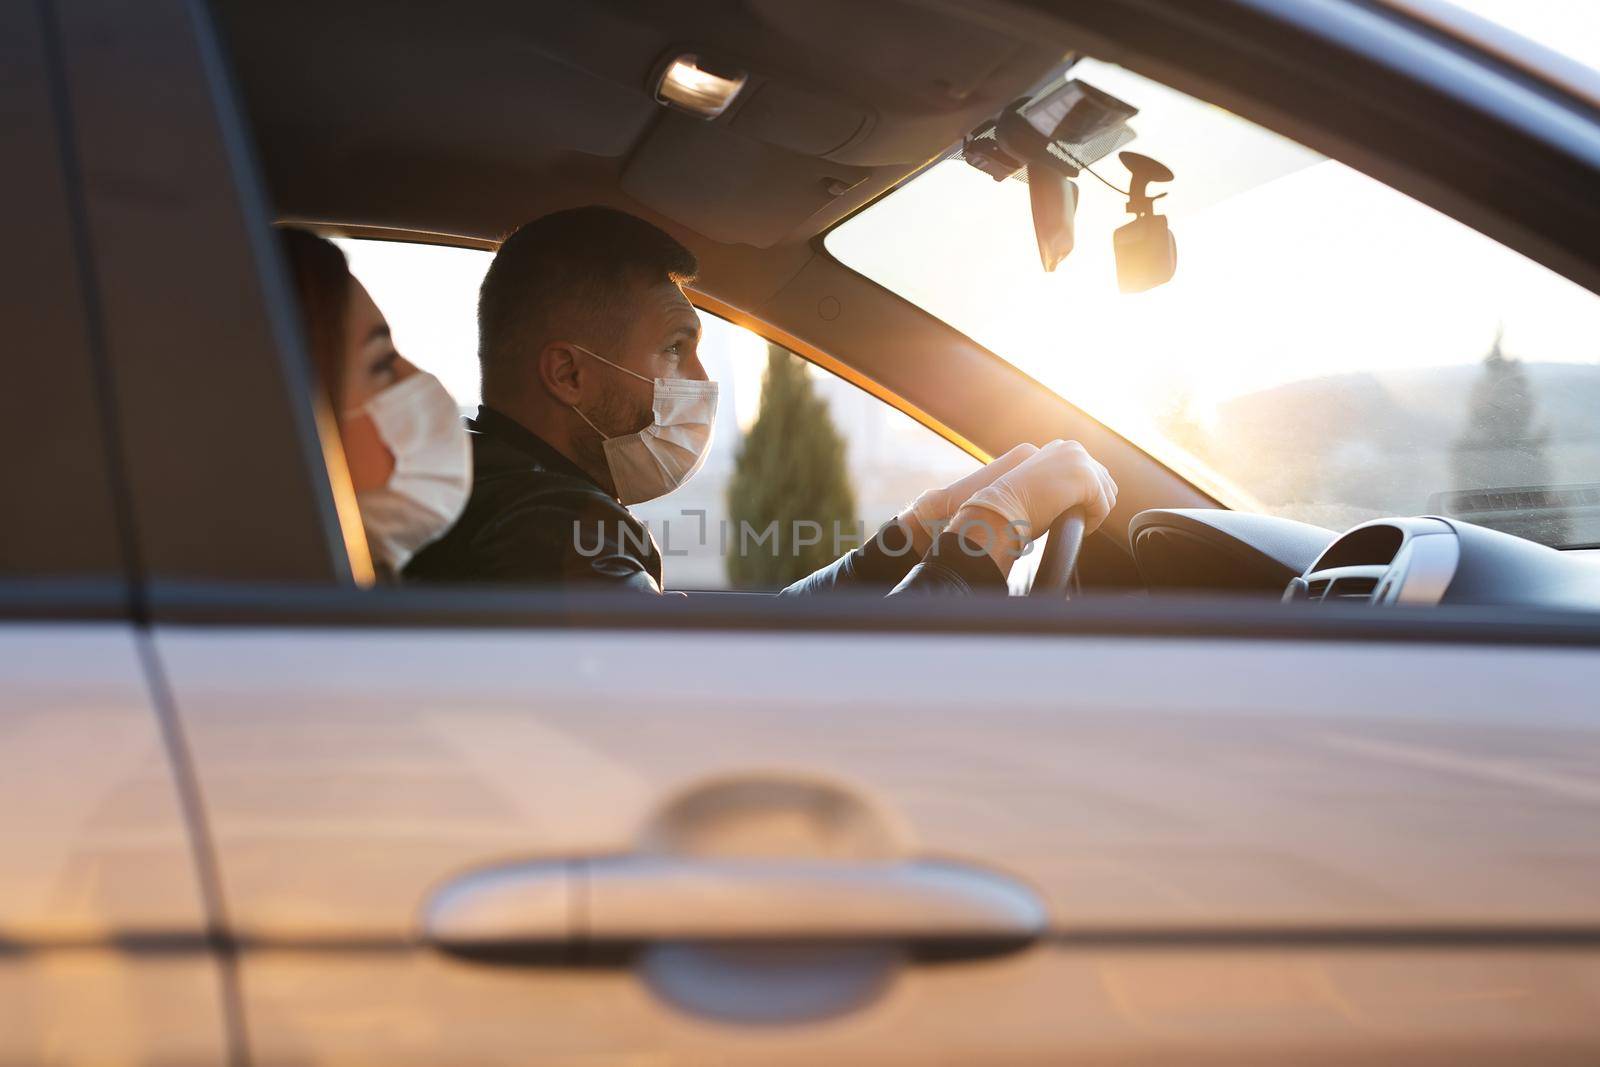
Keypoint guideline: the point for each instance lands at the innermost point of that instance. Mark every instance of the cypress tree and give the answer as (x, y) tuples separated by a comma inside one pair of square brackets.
[(1503, 446), (790, 470)]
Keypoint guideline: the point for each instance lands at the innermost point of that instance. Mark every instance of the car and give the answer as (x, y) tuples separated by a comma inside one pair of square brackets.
[(1306, 774)]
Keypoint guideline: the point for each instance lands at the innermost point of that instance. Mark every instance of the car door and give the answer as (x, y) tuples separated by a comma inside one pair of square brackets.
[(450, 832), (106, 948), (494, 827)]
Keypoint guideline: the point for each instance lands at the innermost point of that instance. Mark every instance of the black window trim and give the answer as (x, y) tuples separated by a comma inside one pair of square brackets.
[(60, 599), (233, 607)]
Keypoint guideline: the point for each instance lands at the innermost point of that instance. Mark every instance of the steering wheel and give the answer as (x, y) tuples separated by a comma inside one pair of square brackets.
[(1057, 575)]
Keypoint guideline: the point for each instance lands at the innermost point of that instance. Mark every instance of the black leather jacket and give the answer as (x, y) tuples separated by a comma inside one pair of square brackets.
[(535, 518)]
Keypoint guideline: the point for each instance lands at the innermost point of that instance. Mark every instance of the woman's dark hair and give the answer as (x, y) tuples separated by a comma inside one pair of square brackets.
[(322, 281)]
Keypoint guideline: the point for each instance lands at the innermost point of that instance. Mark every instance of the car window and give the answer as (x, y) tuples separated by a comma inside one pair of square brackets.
[(1329, 350), (844, 460), (54, 479)]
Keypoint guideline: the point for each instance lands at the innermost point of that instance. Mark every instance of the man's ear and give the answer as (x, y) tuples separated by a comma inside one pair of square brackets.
[(561, 372)]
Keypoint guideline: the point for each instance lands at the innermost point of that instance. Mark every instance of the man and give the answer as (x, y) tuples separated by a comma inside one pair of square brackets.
[(594, 398)]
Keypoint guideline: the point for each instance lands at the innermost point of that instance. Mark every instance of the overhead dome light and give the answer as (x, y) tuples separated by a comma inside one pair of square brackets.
[(686, 83)]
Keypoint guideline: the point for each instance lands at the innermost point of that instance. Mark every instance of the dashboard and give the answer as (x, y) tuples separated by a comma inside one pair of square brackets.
[(1421, 561)]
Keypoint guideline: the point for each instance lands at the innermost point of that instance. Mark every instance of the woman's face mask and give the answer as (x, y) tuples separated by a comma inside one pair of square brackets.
[(419, 424), (665, 454)]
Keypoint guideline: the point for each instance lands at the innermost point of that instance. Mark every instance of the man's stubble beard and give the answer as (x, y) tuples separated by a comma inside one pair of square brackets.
[(617, 416)]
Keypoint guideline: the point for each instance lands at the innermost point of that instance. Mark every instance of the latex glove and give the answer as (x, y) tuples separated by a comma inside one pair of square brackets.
[(1060, 475), (930, 513)]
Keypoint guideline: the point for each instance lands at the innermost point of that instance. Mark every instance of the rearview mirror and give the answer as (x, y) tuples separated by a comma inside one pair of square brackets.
[(1055, 206), (1054, 135)]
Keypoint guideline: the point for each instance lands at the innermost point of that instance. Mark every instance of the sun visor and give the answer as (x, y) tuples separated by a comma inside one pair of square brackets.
[(790, 117), (730, 188)]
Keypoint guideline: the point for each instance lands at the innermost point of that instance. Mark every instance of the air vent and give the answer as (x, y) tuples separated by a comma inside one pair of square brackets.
[(1344, 583), (1351, 589), (1395, 561)]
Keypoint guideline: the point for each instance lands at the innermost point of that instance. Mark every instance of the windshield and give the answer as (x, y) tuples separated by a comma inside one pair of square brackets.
[(1329, 350)]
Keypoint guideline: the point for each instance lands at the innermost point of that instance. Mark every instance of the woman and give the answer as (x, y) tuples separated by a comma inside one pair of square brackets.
[(407, 451)]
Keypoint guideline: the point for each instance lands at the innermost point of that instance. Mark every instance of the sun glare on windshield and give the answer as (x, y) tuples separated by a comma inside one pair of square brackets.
[(1329, 349)]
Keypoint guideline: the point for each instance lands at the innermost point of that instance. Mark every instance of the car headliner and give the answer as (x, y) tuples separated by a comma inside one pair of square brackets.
[(468, 119)]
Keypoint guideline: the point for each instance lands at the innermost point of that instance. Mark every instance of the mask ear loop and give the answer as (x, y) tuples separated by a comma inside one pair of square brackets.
[(592, 426), (615, 366)]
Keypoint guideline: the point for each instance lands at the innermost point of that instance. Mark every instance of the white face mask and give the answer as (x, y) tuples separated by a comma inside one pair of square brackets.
[(668, 452), (418, 421)]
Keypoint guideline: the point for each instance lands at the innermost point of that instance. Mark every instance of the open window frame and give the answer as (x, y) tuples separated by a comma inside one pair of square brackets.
[(259, 533)]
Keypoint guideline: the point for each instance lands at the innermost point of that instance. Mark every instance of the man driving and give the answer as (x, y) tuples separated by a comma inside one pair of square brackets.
[(594, 399)]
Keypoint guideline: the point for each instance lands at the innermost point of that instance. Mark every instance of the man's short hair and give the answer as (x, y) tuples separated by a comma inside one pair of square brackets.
[(570, 269)]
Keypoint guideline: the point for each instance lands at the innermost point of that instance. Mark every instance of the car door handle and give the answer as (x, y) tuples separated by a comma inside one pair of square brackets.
[(938, 908)]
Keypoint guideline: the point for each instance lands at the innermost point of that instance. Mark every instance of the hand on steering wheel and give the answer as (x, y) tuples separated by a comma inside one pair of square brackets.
[(930, 513), (1041, 492)]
